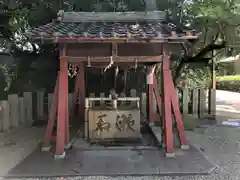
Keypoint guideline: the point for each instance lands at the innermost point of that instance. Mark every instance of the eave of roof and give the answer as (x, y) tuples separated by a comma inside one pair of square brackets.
[(133, 16), (72, 27)]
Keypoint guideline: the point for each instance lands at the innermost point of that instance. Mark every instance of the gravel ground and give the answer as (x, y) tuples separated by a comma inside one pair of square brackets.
[(221, 145)]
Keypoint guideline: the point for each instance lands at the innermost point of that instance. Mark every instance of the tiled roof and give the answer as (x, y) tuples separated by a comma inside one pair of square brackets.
[(88, 30), (110, 16)]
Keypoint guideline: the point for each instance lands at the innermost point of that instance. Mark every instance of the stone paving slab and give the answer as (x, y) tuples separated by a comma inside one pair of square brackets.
[(17, 144), (114, 162)]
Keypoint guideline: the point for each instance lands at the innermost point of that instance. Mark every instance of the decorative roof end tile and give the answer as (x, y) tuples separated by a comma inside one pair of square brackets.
[(71, 34)]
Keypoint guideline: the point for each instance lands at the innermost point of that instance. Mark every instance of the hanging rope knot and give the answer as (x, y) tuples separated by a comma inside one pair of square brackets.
[(109, 65), (89, 62)]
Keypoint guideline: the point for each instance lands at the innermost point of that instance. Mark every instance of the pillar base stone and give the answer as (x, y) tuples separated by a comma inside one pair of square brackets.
[(46, 148), (170, 155), (67, 146), (184, 147), (59, 156)]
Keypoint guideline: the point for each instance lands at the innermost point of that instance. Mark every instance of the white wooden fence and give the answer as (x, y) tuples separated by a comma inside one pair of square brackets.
[(19, 111), (16, 111)]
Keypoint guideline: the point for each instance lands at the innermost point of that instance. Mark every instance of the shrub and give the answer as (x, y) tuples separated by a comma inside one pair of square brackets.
[(230, 83)]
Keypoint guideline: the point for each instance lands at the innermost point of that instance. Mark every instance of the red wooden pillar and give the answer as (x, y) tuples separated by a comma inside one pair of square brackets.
[(157, 95), (62, 119), (67, 145), (153, 91), (150, 72), (81, 90), (75, 93), (51, 120), (167, 118), (171, 105), (60, 107)]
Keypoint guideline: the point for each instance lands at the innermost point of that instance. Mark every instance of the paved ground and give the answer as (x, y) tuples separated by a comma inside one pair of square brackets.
[(228, 105), (16, 145), (220, 144)]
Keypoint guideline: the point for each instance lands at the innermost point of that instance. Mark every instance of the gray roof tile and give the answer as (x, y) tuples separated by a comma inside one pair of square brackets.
[(121, 28), (153, 30)]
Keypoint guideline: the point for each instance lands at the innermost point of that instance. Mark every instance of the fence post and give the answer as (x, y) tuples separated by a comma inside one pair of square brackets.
[(40, 105), (144, 105), (22, 118), (86, 121), (70, 102), (5, 119), (185, 101), (212, 103), (14, 110), (133, 93), (28, 107), (202, 103), (195, 102), (92, 103), (122, 103), (50, 98), (102, 95)]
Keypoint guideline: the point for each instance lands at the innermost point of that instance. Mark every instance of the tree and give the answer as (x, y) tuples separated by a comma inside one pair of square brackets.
[(216, 19), (219, 24)]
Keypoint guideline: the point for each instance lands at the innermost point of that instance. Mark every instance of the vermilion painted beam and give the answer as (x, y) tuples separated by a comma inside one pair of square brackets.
[(167, 121), (177, 114), (62, 106), (153, 91), (157, 94), (53, 138), (66, 104), (155, 117), (150, 102), (81, 89), (171, 104), (52, 115), (76, 92)]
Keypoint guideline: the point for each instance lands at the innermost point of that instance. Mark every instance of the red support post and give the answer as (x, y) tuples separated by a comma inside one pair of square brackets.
[(171, 104), (62, 107), (168, 124), (153, 90), (81, 90), (177, 115), (157, 94), (52, 117), (150, 102), (67, 145), (75, 93)]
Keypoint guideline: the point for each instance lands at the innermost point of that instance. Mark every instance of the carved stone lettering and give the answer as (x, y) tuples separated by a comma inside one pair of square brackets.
[(124, 122), (102, 124)]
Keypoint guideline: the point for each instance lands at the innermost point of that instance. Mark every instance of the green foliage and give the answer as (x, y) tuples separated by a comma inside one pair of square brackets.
[(214, 18), (198, 77), (230, 83), (228, 78), (218, 20)]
